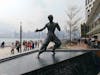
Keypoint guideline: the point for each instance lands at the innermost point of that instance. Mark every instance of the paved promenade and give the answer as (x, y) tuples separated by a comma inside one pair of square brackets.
[(6, 52)]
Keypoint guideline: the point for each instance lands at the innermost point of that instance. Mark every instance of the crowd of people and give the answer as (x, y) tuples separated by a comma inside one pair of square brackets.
[(92, 42), (24, 46), (88, 42)]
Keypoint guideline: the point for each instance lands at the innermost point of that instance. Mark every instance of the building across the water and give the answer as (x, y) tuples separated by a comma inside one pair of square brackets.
[(93, 17)]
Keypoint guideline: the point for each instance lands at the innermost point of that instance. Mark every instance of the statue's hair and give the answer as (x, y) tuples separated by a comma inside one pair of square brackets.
[(50, 16)]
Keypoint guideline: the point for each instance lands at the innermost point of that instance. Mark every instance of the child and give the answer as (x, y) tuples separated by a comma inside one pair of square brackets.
[(12, 48)]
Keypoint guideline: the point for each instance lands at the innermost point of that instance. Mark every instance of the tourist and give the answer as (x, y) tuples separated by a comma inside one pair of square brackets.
[(89, 41), (92, 42), (12, 48), (3, 44), (32, 45), (35, 44), (96, 42), (28, 44), (24, 45), (17, 46)]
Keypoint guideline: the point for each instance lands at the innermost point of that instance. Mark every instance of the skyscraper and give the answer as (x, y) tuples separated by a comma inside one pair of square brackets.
[(89, 6), (93, 19)]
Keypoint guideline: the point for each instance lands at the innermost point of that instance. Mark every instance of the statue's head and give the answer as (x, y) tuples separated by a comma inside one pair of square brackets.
[(50, 17)]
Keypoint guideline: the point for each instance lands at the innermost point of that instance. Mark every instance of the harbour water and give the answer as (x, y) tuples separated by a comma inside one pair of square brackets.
[(14, 39)]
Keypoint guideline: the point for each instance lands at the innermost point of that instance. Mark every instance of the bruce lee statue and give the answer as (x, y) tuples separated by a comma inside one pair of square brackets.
[(51, 37)]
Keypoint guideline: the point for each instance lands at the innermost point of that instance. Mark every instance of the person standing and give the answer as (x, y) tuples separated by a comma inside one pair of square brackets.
[(12, 48), (3, 44)]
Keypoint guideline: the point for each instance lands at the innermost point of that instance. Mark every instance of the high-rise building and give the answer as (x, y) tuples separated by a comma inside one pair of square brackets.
[(93, 19), (89, 5)]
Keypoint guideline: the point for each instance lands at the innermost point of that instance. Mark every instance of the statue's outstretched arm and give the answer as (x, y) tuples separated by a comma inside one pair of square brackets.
[(41, 29)]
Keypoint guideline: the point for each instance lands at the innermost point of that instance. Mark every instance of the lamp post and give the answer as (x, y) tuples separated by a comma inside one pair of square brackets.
[(20, 36)]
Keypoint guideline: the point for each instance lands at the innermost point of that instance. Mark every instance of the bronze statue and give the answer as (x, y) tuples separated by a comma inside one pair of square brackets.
[(51, 37)]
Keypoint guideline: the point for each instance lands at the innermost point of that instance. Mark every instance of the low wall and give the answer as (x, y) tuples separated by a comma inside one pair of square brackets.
[(80, 65)]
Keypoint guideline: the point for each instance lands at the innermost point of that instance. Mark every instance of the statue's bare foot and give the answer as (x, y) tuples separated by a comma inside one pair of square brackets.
[(53, 52), (38, 56)]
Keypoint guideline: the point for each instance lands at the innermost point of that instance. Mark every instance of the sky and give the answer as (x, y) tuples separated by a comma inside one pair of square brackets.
[(33, 13)]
